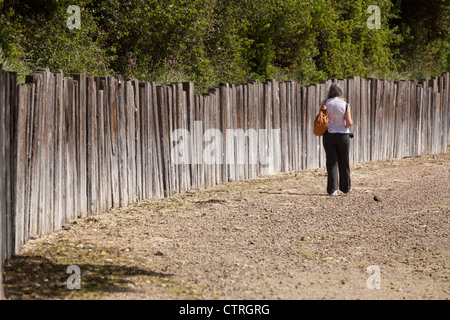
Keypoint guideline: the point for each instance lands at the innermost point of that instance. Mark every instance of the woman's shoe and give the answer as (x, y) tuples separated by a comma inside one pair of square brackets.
[(348, 191), (334, 193)]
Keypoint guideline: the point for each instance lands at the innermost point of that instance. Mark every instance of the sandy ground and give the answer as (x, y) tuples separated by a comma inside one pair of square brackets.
[(277, 237)]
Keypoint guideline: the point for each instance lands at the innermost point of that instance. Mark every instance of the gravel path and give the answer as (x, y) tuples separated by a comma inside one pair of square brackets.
[(277, 237)]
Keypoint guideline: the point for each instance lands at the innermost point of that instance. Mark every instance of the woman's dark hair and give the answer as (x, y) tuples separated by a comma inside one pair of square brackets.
[(335, 91)]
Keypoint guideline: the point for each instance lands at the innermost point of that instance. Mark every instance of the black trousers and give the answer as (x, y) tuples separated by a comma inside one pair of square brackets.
[(337, 147)]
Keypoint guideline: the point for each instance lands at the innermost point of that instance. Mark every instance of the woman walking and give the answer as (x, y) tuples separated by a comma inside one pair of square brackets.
[(336, 142)]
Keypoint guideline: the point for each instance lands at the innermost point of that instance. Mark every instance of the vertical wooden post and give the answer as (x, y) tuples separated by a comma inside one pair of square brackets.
[(312, 142), (122, 139), (305, 128), (379, 119), (2, 178), (199, 130), (253, 132), (25, 100), (412, 119), (217, 125), (240, 125), (59, 154), (406, 119), (289, 116), (397, 121), (172, 171), (157, 163), (146, 175), (446, 111), (422, 114), (237, 140), (28, 152), (49, 214), (223, 117), (356, 112), (362, 128), (164, 135), (284, 128), (298, 124), (294, 126), (324, 87), (172, 108), (101, 154), (447, 106), (36, 205), (11, 127), (429, 117), (234, 139), (129, 142), (71, 149), (267, 145), (137, 174), (211, 120), (81, 130), (391, 96), (92, 147), (229, 135), (180, 122), (419, 115), (246, 127), (276, 125), (374, 87), (208, 167), (112, 143), (191, 108), (434, 103), (260, 108)]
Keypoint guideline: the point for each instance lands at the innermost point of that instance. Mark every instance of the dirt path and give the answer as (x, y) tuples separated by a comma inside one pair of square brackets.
[(277, 237)]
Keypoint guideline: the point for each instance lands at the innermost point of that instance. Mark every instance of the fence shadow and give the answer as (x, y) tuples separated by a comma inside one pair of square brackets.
[(33, 277), (296, 194)]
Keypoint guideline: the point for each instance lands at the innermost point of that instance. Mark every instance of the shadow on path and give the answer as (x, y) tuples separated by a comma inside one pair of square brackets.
[(37, 277)]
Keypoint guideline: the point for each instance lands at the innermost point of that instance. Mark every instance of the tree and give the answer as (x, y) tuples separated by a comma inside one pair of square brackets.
[(425, 24)]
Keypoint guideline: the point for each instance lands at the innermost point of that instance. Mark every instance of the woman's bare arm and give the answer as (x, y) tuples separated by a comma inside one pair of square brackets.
[(348, 118)]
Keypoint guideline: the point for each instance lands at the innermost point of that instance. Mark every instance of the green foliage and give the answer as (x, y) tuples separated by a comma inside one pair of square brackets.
[(209, 42), (41, 34), (12, 55), (16, 64), (425, 25)]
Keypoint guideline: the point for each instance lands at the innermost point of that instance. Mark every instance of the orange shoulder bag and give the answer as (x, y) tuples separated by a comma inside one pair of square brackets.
[(321, 121)]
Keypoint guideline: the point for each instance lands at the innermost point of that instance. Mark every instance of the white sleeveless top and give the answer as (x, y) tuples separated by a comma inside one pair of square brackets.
[(336, 113)]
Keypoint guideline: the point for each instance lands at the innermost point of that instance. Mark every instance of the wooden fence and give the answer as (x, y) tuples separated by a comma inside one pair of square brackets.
[(78, 146)]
